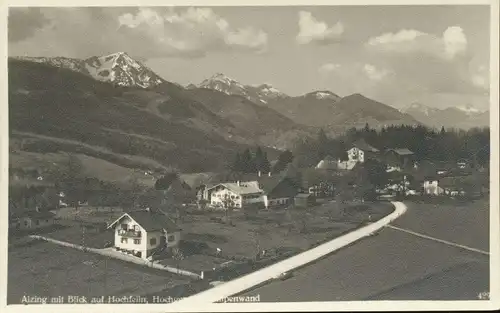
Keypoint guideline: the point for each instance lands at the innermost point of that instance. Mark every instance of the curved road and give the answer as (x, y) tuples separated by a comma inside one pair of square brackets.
[(429, 253)]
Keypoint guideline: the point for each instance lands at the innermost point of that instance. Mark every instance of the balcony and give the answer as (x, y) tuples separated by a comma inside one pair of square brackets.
[(129, 233)]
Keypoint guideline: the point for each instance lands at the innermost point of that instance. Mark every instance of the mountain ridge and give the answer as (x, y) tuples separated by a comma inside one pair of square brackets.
[(117, 68), (463, 117)]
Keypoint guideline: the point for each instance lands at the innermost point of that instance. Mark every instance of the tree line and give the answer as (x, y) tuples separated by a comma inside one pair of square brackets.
[(426, 143)]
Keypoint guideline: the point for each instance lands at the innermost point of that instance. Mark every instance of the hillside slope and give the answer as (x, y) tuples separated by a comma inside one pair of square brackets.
[(254, 121), (327, 110), (61, 103)]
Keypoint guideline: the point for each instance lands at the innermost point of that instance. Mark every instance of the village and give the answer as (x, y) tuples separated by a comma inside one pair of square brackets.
[(188, 232)]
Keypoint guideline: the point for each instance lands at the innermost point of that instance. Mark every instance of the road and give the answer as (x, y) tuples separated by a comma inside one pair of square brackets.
[(433, 253)]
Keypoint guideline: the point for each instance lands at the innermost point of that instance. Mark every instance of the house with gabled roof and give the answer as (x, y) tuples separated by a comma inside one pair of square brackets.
[(253, 189), (399, 157), (359, 152), (145, 232), (278, 191), (31, 219), (235, 195)]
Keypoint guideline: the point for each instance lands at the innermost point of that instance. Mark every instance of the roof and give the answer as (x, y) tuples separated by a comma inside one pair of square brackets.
[(327, 163), (401, 151), (150, 220), (245, 187), (33, 214), (361, 144), (267, 184)]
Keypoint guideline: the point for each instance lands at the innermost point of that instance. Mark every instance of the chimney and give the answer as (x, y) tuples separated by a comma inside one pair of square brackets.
[(37, 208), (269, 174), (238, 182), (148, 209), (260, 173)]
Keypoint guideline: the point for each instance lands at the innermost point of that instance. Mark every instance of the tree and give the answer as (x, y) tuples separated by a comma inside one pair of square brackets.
[(247, 162), (237, 165), (285, 158), (260, 161), (376, 173)]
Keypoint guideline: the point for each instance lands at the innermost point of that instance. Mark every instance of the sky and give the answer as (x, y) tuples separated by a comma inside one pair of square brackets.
[(435, 55)]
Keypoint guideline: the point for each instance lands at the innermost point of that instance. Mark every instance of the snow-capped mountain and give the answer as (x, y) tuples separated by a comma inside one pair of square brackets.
[(117, 68), (259, 94), (322, 94), (452, 117)]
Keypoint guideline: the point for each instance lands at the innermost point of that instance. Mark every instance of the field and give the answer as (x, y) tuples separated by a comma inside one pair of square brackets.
[(45, 269), (91, 166), (276, 229)]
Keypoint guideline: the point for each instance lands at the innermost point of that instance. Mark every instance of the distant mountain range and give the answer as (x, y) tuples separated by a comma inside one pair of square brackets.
[(258, 94), (320, 108), (463, 117), (116, 104)]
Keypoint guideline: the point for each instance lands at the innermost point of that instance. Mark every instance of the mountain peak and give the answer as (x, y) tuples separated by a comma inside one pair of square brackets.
[(323, 94), (257, 93), (117, 68)]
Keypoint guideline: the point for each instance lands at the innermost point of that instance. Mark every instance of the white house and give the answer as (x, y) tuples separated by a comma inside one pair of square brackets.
[(236, 195), (141, 233), (359, 152)]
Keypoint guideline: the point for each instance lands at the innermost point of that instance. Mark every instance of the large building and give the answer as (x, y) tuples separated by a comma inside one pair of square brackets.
[(253, 190), (142, 233)]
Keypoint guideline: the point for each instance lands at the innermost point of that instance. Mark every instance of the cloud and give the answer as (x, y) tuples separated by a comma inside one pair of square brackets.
[(195, 30), (142, 32), (480, 77), (313, 31), (428, 63), (328, 68), (449, 45), (374, 73), (24, 22)]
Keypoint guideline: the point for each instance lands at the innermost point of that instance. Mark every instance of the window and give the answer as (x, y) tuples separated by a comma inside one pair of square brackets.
[(25, 223), (124, 226), (37, 222), (171, 238), (152, 241), (124, 240), (136, 228), (137, 241), (46, 221)]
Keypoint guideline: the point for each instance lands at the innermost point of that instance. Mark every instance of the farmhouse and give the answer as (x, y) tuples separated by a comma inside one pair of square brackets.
[(266, 191), (359, 152), (400, 157), (278, 191), (236, 195), (144, 232), (31, 219)]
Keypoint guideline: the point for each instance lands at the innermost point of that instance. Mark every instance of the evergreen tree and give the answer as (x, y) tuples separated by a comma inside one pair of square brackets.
[(237, 165), (259, 160), (283, 160), (247, 162)]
